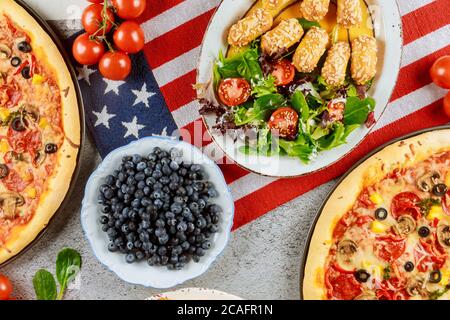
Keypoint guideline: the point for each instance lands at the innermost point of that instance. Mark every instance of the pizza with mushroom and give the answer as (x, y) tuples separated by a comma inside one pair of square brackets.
[(39, 129), (384, 234)]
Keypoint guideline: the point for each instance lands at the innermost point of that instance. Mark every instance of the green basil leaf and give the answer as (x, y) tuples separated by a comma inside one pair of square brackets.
[(44, 285), (306, 24), (298, 148), (68, 264), (356, 110), (264, 87), (261, 110)]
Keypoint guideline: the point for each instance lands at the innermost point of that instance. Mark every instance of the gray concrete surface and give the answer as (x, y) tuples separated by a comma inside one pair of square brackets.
[(262, 260)]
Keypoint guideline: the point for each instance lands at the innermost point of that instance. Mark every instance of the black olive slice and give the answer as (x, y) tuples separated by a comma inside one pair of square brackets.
[(17, 124), (435, 276), (26, 72), (424, 232), (4, 171), (24, 47), (51, 148), (362, 275), (16, 61), (381, 214), (440, 190), (409, 266)]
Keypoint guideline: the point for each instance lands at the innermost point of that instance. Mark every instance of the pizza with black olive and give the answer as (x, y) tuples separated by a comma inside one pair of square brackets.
[(384, 234), (39, 128)]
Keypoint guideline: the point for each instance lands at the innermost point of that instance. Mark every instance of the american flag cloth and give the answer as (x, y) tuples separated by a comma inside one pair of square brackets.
[(158, 98)]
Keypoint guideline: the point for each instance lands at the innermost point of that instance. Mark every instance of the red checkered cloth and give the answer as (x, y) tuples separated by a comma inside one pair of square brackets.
[(174, 31)]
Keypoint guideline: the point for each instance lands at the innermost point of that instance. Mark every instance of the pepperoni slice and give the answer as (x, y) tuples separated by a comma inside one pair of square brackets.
[(428, 257), (389, 248), (344, 287), (406, 203), (14, 181), (10, 95), (22, 141)]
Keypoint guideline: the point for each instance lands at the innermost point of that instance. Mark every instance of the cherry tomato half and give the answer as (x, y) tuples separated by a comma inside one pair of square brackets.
[(447, 104), (5, 288), (93, 17), (285, 121), (284, 72), (234, 91), (129, 37), (440, 72), (115, 65), (87, 51), (129, 9)]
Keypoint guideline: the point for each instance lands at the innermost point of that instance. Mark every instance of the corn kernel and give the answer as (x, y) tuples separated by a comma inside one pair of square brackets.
[(376, 198), (4, 114), (31, 193), (435, 212), (447, 179), (445, 277), (378, 227), (4, 146), (43, 123), (38, 79)]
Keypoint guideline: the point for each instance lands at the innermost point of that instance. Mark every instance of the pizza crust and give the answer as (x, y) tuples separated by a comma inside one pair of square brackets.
[(402, 154), (57, 186)]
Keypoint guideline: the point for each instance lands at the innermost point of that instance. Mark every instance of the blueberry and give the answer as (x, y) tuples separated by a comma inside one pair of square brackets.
[(201, 204), (182, 172), (141, 185), (122, 177), (177, 250), (158, 203), (109, 193), (214, 229), (175, 153), (169, 215), (164, 260), (154, 260), (137, 244), (215, 209), (185, 245), (172, 222), (110, 180), (189, 190), (128, 165), (136, 203), (130, 245), (157, 174), (112, 247), (193, 206), (173, 186), (212, 193), (141, 166), (126, 159), (105, 228), (196, 258), (176, 208), (182, 226), (162, 251), (215, 219), (156, 194), (150, 181), (140, 255), (159, 232), (145, 224), (195, 168), (139, 194), (200, 252), (174, 259), (201, 223), (166, 170), (125, 228), (206, 245), (200, 238), (147, 190), (137, 158), (144, 237), (163, 239), (190, 227), (164, 180)]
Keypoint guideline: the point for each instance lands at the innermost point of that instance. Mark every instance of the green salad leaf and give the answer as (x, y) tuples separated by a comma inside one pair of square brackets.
[(261, 109), (357, 111), (300, 105), (299, 148), (44, 285), (264, 87), (337, 137), (68, 264)]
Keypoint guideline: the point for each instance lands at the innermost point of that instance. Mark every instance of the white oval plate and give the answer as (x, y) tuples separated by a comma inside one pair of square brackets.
[(388, 31), (194, 294), (140, 272)]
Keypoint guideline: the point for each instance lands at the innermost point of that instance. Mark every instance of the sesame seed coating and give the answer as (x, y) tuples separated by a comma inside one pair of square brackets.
[(310, 50), (285, 35), (270, 4), (250, 28), (364, 59), (349, 13), (335, 66), (314, 10)]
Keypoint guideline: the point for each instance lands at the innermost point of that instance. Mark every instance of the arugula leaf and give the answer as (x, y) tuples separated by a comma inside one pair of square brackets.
[(261, 110), (300, 105), (357, 111), (44, 285), (264, 87), (306, 24), (68, 264)]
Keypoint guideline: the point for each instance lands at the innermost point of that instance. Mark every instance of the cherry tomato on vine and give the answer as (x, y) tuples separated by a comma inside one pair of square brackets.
[(93, 19), (129, 9), (115, 65), (440, 72), (129, 37), (96, 1), (87, 51), (5, 288), (447, 104)]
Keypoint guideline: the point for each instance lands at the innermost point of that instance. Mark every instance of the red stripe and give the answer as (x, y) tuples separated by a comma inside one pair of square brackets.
[(426, 19), (416, 75), (156, 7), (180, 91), (177, 41), (281, 191)]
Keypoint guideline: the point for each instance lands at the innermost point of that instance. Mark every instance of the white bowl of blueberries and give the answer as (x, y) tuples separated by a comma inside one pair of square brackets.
[(157, 212)]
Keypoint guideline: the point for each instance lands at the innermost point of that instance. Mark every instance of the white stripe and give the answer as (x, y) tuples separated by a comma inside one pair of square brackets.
[(177, 67), (213, 152), (176, 16), (186, 114), (410, 103), (249, 184), (426, 45), (408, 6)]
